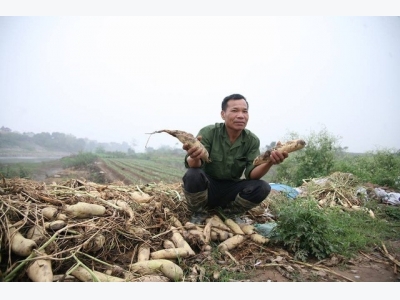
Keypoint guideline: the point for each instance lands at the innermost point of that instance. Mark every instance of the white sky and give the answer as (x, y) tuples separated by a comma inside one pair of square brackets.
[(114, 79)]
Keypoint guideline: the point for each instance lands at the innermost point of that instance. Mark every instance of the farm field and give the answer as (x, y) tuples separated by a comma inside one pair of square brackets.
[(142, 171)]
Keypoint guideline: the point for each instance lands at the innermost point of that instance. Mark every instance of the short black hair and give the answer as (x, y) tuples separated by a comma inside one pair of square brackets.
[(232, 97)]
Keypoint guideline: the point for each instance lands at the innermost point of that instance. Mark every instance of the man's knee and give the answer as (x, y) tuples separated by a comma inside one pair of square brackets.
[(257, 191), (266, 188), (192, 174), (195, 180)]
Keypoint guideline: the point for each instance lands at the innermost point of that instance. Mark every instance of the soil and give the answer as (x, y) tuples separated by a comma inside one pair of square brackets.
[(376, 266)]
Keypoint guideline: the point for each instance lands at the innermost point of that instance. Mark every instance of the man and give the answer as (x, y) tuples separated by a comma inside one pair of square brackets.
[(232, 149)]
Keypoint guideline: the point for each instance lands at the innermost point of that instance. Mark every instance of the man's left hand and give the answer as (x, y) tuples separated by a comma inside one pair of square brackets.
[(277, 157)]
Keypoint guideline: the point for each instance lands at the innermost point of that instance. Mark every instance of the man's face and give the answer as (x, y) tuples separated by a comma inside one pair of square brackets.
[(236, 114)]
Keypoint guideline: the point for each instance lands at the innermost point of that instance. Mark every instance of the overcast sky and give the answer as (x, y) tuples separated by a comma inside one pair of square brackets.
[(114, 79)]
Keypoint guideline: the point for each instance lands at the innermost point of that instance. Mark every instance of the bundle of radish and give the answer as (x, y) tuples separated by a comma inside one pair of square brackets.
[(186, 138), (289, 146)]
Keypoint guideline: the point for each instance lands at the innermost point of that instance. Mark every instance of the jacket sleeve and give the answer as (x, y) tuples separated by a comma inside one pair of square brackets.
[(254, 151)]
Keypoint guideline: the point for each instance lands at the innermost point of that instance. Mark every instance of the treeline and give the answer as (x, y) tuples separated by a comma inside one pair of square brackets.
[(56, 141)]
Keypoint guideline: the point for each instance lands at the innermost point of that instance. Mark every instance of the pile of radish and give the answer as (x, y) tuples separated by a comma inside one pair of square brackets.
[(82, 231)]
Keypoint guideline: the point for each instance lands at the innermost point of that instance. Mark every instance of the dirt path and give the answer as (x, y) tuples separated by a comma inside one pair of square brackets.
[(371, 267), (110, 175)]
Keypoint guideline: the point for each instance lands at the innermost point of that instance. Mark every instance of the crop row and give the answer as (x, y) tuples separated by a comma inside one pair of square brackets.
[(144, 170), (126, 175), (158, 167)]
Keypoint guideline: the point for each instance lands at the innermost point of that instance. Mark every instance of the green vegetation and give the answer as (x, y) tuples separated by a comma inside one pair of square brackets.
[(304, 229), (79, 161), (19, 170), (381, 167), (309, 231), (323, 155)]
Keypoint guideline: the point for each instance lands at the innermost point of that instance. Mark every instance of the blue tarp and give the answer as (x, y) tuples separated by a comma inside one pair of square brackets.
[(289, 191)]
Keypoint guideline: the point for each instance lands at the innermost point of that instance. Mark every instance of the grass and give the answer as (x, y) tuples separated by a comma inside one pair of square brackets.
[(20, 170), (311, 232), (26, 169), (214, 272)]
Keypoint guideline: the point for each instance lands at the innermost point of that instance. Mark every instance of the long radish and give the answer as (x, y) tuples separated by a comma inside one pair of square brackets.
[(187, 138), (180, 242), (84, 210), (84, 275), (155, 266), (21, 245), (168, 244), (247, 228), (216, 222), (258, 238), (230, 243), (37, 234), (171, 253), (50, 213), (289, 146), (40, 270), (143, 252), (234, 226)]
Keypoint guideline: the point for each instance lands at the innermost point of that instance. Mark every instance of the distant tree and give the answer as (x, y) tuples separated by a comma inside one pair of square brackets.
[(100, 150), (43, 139)]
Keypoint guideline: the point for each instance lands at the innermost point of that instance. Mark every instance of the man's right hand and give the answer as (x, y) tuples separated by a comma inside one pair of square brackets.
[(194, 154)]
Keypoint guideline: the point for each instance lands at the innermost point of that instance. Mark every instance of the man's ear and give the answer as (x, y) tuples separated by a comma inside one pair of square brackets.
[(223, 115)]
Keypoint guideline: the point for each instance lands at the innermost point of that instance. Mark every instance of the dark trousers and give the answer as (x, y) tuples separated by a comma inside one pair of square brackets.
[(221, 192)]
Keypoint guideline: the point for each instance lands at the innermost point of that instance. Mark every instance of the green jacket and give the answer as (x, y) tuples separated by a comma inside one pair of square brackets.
[(228, 161)]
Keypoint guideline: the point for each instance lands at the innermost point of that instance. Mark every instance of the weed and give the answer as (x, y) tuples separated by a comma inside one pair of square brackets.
[(307, 230), (303, 227)]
